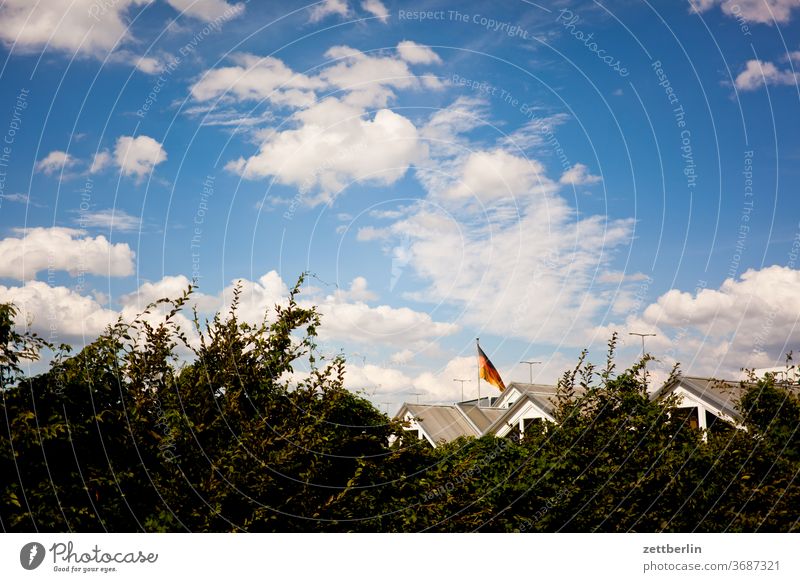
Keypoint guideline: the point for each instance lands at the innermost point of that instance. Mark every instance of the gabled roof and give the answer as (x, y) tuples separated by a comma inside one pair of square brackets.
[(481, 417), (440, 422), (720, 394), (524, 388), (540, 401)]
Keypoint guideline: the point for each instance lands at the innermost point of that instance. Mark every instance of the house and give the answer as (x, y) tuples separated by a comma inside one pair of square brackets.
[(709, 405), (706, 400), (517, 407)]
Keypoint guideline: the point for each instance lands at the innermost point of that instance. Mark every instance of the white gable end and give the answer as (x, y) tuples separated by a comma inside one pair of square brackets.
[(527, 411)]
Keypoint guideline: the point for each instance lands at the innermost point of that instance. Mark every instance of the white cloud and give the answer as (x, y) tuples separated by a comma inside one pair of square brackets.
[(761, 11), (149, 65), (60, 314), (368, 80), (618, 277), (497, 174), (758, 73), (172, 287), (85, 26), (749, 322), (536, 133), (256, 78), (386, 384), (494, 239), (57, 313), (208, 10), (110, 219), (100, 162), (325, 144), (55, 161), (328, 8), (533, 279), (376, 8), (63, 249), (93, 27), (137, 156), (358, 291), (402, 357), (332, 145), (446, 133), (382, 324), (414, 53), (345, 315), (17, 197), (745, 303), (578, 175)]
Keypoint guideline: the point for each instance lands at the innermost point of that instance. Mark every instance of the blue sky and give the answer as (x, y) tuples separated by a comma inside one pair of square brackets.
[(538, 176)]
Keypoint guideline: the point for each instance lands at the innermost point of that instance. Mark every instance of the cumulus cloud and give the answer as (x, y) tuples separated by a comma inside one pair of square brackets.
[(417, 54), (761, 11), (367, 79), (327, 8), (58, 314), (376, 8), (85, 26), (533, 279), (747, 303), (346, 318), (579, 175), (208, 10), (358, 291), (63, 249), (348, 135), (256, 78), (759, 73), (748, 322), (393, 386), (382, 324), (61, 314), (149, 65), (100, 162), (496, 174), (137, 156), (334, 144), (89, 26), (55, 161)]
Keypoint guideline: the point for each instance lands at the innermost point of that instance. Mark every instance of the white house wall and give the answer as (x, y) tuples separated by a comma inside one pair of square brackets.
[(511, 394), (416, 426), (528, 411), (689, 400)]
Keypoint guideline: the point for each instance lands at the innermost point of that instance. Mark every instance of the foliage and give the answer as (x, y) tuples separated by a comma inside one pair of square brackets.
[(147, 430)]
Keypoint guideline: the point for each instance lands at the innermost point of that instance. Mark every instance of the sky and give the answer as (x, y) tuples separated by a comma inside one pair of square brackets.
[(538, 176)]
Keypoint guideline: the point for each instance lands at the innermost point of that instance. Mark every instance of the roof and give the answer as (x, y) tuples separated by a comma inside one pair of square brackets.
[(448, 422), (542, 402), (523, 388), (533, 388), (481, 417), (722, 394), (441, 422)]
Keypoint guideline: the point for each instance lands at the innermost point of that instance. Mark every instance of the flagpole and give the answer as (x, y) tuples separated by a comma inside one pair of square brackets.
[(478, 353)]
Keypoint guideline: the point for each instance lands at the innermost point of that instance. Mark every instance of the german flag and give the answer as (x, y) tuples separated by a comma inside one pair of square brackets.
[(488, 372)]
